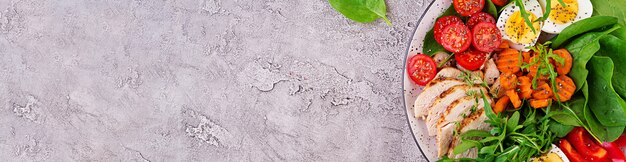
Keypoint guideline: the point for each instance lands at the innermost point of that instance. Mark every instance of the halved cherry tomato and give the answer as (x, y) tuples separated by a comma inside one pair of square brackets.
[(470, 59), (479, 17), (621, 141), (500, 2), (456, 37), (442, 23), (421, 69), (486, 37), (468, 7)]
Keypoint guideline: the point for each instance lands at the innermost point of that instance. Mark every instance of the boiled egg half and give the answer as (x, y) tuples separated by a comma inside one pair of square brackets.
[(513, 27), (562, 16)]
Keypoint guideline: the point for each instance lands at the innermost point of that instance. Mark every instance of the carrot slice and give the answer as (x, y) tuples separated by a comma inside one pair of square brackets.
[(504, 45), (563, 69), (540, 103), (508, 81), (514, 98), (508, 61), (525, 87), (543, 91), (535, 67), (566, 87), (501, 104)]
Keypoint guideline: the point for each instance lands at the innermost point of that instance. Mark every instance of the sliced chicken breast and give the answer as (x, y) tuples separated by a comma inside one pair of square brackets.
[(443, 139), (491, 72), (446, 78), (476, 121), (442, 102), (459, 109)]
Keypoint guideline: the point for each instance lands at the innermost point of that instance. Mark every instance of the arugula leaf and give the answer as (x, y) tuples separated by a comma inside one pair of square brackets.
[(525, 15), (466, 145), (362, 10), (615, 8), (580, 27)]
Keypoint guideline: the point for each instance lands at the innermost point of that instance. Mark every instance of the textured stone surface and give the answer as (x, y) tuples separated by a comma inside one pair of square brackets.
[(201, 80)]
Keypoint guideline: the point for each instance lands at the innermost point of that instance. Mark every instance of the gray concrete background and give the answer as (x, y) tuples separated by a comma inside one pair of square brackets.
[(202, 80)]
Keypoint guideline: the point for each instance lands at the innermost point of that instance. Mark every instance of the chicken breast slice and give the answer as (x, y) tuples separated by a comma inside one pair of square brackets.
[(443, 101), (491, 72), (444, 138), (459, 109), (476, 121)]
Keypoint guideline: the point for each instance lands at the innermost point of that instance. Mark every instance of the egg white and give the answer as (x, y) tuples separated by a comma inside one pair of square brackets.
[(585, 9), (530, 5)]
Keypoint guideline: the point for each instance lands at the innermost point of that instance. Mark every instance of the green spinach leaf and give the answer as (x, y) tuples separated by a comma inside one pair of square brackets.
[(581, 27), (362, 10), (582, 48), (615, 8), (603, 101), (613, 48), (559, 129), (491, 9)]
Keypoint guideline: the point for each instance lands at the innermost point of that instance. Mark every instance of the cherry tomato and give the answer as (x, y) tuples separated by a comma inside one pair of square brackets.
[(479, 17), (500, 2), (421, 69), (468, 7), (456, 37), (470, 59), (442, 23), (486, 37)]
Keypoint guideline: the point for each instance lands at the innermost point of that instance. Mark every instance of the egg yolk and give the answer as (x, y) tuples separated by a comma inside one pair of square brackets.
[(562, 15), (517, 29), (551, 157)]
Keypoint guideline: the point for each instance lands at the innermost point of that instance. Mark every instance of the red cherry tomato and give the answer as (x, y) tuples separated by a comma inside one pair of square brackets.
[(456, 37), (442, 23), (470, 59), (486, 37), (421, 69), (500, 2), (468, 7), (479, 17)]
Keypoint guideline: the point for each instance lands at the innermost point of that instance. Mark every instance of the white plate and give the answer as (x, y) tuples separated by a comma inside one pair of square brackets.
[(411, 90)]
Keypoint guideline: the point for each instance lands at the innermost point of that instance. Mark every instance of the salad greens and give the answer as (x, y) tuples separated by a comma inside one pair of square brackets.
[(524, 134), (362, 10), (582, 26), (607, 106), (582, 48), (613, 47), (615, 8)]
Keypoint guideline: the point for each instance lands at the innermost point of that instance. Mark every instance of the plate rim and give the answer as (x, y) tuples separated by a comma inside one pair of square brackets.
[(406, 54)]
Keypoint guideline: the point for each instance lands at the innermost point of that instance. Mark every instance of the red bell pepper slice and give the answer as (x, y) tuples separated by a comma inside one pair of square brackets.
[(586, 146), (569, 151), (615, 154), (621, 141)]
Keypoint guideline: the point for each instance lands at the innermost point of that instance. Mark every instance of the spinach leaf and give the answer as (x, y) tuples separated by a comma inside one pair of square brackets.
[(361, 10), (620, 33), (430, 44), (613, 48), (603, 101), (559, 129), (491, 8), (615, 8), (580, 27), (599, 131), (582, 48), (431, 47)]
